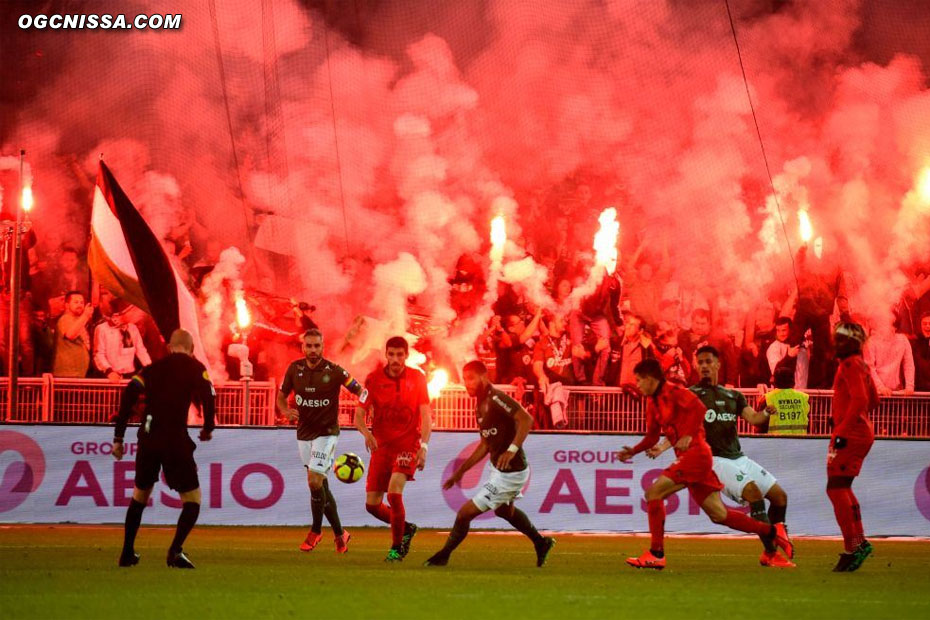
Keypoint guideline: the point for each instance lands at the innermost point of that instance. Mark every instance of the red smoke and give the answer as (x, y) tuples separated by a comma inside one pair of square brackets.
[(403, 129)]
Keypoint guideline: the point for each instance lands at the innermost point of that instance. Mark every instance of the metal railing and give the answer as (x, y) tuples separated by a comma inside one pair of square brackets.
[(612, 410), (96, 401), (590, 409)]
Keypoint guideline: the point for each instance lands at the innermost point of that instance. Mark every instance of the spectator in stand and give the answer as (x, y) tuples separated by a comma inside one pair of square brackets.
[(516, 349), (303, 316), (635, 346), (920, 347), (487, 346), (118, 344), (562, 293), (668, 317), (511, 299), (821, 285), (783, 353), (644, 285), (72, 340), (552, 366), (43, 342), (71, 275), (915, 302), (593, 313), (676, 366), (467, 286), (701, 335), (688, 299), (758, 337), (890, 360), (154, 342)]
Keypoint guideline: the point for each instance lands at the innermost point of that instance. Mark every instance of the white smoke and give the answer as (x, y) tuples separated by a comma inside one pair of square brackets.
[(219, 290)]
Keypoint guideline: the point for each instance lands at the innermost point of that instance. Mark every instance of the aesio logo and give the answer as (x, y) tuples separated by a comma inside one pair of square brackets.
[(21, 477)]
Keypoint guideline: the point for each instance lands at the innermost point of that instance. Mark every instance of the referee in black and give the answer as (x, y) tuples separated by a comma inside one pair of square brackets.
[(169, 386)]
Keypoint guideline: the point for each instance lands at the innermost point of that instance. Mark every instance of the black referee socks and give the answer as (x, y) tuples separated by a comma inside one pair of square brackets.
[(133, 520), (189, 513)]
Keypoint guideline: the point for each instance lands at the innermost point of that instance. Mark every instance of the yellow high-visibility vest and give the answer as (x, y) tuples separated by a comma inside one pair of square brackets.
[(792, 409)]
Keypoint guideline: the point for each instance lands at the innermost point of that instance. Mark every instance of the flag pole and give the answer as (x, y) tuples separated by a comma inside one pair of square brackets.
[(93, 292), (15, 284)]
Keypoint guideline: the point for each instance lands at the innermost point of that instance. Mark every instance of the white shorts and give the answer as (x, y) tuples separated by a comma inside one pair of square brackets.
[(735, 474), (501, 488), (318, 454)]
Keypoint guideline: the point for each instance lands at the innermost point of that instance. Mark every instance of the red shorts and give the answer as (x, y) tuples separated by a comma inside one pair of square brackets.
[(386, 460), (847, 461), (695, 470)]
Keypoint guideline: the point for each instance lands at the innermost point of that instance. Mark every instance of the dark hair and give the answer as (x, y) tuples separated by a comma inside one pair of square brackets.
[(784, 376), (313, 332), (783, 320), (923, 315), (708, 349), (649, 368), (397, 342), (475, 366), (848, 339), (897, 323), (700, 313), (71, 294)]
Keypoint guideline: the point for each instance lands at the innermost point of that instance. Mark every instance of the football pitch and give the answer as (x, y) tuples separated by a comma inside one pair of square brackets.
[(71, 572)]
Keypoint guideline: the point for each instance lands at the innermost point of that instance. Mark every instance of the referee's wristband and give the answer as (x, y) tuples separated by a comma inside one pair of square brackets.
[(424, 446), (513, 448)]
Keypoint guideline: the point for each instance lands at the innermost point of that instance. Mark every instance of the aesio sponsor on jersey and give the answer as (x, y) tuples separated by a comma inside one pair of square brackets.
[(311, 402), (712, 416)]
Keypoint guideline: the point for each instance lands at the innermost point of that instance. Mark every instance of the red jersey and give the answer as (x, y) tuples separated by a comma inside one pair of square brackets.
[(854, 395), (676, 412), (395, 404)]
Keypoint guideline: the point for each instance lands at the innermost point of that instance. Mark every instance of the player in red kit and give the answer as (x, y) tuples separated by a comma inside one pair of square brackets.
[(398, 402), (854, 395), (678, 413)]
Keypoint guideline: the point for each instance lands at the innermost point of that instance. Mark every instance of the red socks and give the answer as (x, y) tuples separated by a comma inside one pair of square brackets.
[(379, 511), (656, 508), (848, 516), (398, 517), (738, 521)]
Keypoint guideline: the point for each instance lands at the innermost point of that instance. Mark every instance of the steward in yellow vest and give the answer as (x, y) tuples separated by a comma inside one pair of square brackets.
[(788, 408)]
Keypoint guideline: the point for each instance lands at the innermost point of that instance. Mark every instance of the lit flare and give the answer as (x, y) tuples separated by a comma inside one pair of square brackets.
[(605, 240), (27, 200), (498, 239), (243, 316), (804, 226), (923, 185), (438, 380)]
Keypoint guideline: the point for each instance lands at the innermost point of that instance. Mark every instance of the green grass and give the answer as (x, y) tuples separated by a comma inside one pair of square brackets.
[(71, 572)]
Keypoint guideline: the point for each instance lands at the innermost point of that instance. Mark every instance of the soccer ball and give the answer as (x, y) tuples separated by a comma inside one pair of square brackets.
[(349, 468)]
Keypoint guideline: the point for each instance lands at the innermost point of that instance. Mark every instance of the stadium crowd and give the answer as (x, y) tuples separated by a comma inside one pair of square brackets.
[(71, 328)]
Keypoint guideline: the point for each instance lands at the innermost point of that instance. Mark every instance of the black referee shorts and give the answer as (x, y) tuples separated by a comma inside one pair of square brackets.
[(175, 457)]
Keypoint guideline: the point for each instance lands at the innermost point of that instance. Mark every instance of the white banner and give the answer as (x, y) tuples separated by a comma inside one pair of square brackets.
[(54, 474)]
